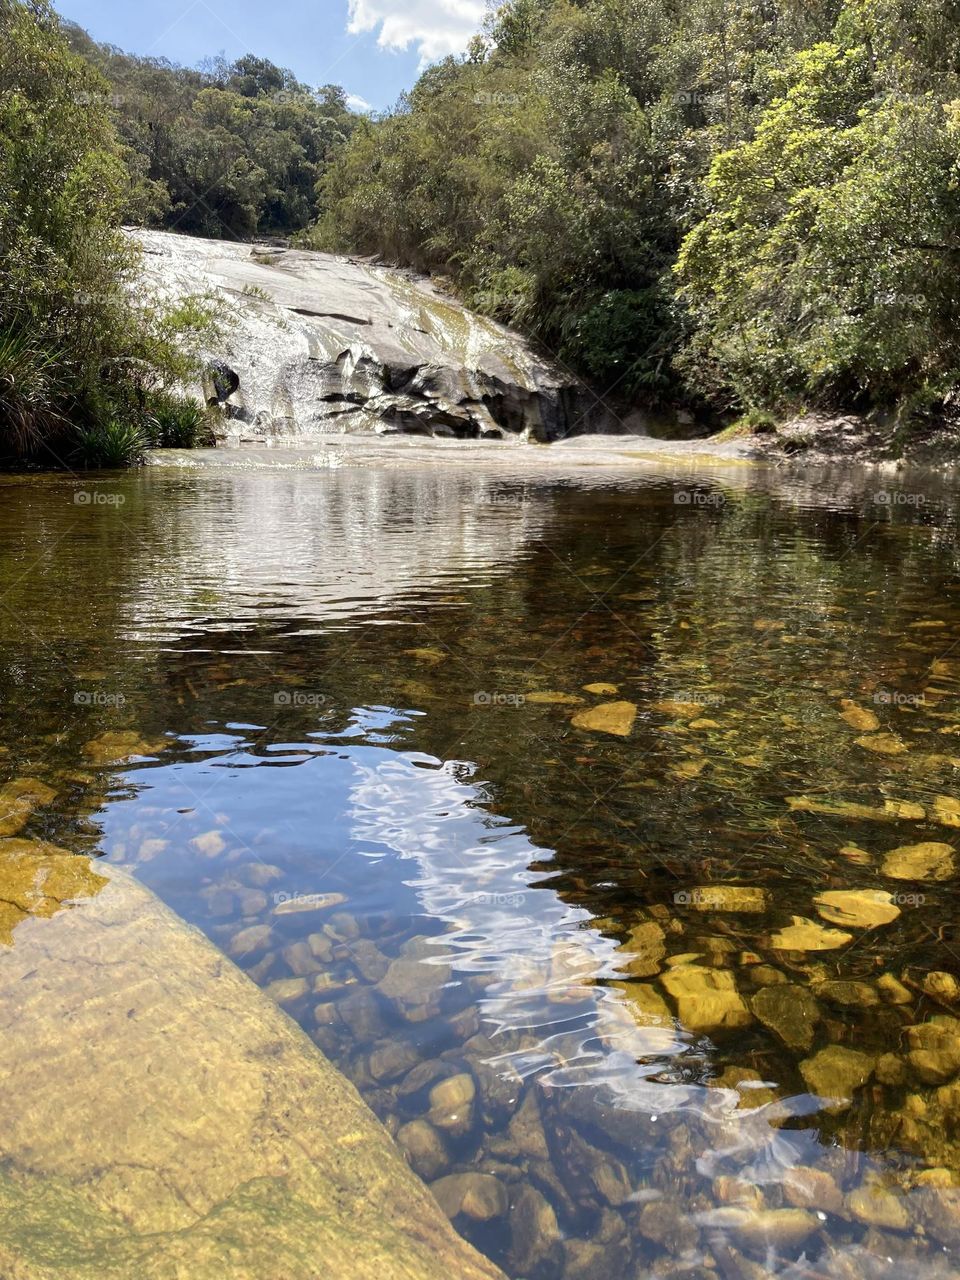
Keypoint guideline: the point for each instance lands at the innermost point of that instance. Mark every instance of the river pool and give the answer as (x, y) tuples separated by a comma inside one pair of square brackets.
[(600, 826)]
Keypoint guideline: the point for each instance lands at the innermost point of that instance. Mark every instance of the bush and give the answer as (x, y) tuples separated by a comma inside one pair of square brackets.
[(111, 444), (177, 422)]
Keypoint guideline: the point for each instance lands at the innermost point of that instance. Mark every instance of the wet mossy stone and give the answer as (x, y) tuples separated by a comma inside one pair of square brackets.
[(162, 1119), (791, 1012)]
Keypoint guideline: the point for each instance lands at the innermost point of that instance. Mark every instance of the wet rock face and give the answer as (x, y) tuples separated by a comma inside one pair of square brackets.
[(321, 345)]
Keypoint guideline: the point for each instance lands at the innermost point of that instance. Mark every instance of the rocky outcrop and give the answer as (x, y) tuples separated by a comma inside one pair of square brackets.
[(162, 1119), (321, 345)]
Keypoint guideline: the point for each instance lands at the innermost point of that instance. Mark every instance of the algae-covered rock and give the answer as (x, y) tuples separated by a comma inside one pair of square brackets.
[(836, 1072), (18, 799), (161, 1119), (791, 1012)]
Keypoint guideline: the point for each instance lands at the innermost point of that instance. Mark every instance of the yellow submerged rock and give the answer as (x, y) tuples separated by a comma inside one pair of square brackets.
[(550, 696), (836, 1072), (728, 897), (599, 687), (707, 999), (929, 860), (645, 948), (889, 812), (885, 744), (430, 656), (857, 908), (18, 800), (946, 811), (859, 717), (679, 710), (807, 935), (120, 747), (608, 717), (162, 1119)]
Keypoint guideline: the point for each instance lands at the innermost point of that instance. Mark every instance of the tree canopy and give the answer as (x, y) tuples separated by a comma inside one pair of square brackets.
[(709, 202)]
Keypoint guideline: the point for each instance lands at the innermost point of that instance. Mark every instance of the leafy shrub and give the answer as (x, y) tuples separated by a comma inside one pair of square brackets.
[(28, 391), (111, 444), (177, 422)]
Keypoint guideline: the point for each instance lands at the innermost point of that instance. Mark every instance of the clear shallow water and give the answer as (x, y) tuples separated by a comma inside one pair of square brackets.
[(556, 957)]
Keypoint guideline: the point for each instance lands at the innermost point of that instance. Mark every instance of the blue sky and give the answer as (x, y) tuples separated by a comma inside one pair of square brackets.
[(374, 48)]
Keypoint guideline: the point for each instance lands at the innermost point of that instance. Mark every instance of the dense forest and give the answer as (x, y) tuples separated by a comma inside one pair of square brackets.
[(230, 149), (738, 208), (748, 206)]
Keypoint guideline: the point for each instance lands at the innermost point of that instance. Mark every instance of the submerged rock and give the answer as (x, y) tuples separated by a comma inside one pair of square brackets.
[(452, 1104), (836, 1073), (18, 799), (935, 1049), (644, 949), (424, 1148), (479, 1196), (807, 935), (857, 908), (707, 999), (791, 1012), (608, 717), (201, 1134), (323, 345), (929, 860), (122, 746), (859, 717), (535, 1238)]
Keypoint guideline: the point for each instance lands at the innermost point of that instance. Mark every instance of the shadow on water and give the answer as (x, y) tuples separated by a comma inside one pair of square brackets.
[(601, 829)]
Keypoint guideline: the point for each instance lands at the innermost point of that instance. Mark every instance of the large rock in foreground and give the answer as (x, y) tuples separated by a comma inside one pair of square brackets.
[(324, 345), (161, 1118)]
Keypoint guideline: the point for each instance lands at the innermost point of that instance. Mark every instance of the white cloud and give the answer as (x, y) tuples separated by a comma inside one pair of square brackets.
[(356, 103), (435, 27)]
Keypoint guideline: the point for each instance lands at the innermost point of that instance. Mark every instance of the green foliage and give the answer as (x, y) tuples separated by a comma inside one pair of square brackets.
[(712, 202), (826, 266), (176, 422), (234, 149), (75, 344), (28, 392), (113, 443)]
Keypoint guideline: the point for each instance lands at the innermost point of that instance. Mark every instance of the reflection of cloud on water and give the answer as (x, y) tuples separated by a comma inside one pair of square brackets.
[(541, 959), (545, 1000)]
